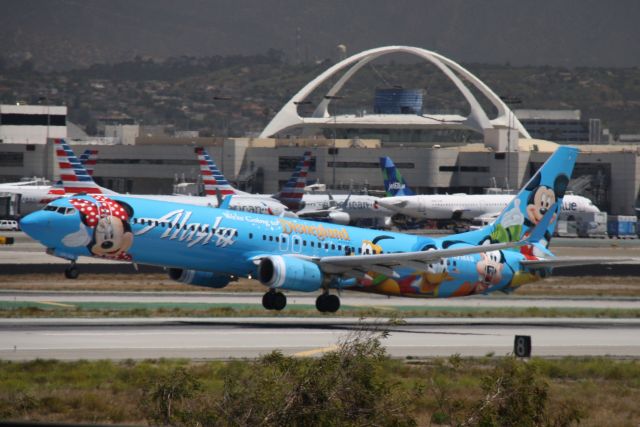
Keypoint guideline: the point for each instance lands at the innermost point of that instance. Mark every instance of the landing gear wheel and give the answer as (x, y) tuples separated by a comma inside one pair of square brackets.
[(273, 300), (327, 303), (71, 272), (267, 300), (279, 301)]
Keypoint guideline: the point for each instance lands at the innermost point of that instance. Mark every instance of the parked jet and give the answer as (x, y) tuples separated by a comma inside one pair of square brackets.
[(211, 247), (34, 196), (455, 207), (216, 185), (339, 209), (76, 179)]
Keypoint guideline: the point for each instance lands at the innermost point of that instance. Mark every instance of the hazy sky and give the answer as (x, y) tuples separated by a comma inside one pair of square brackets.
[(553, 32)]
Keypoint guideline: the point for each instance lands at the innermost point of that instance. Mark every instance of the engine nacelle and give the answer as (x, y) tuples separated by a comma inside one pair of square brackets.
[(287, 272), (199, 278), (338, 217)]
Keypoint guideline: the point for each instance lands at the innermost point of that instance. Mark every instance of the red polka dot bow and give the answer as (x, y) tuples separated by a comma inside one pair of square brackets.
[(104, 208)]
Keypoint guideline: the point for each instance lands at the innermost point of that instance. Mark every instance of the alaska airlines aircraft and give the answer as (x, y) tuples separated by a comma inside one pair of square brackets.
[(34, 197), (402, 200), (213, 246)]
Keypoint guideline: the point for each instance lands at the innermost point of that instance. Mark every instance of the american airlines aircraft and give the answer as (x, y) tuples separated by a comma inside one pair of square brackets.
[(404, 201), (212, 247), (34, 197), (338, 209), (75, 179)]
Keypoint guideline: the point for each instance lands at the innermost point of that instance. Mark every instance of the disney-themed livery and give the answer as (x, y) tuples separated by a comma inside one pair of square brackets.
[(213, 246)]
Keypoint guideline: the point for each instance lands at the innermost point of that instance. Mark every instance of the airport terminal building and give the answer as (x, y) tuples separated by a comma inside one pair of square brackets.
[(505, 155)]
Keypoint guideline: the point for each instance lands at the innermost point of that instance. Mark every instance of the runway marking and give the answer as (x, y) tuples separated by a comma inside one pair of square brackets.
[(315, 351), (59, 304)]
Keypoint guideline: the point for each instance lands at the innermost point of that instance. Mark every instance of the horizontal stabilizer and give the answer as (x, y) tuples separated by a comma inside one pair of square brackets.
[(575, 261)]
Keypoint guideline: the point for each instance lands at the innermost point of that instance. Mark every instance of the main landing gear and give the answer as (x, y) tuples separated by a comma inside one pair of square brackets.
[(328, 303), (71, 272), (273, 300)]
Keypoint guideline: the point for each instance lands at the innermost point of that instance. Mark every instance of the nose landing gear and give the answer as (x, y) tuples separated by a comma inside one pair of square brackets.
[(328, 303), (273, 300)]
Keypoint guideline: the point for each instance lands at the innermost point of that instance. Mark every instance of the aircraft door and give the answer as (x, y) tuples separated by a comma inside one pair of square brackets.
[(296, 243), (284, 242)]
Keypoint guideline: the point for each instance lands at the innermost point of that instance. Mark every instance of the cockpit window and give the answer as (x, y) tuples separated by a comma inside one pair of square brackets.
[(60, 209)]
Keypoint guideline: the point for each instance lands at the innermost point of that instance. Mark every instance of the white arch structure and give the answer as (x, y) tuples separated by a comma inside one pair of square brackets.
[(477, 120)]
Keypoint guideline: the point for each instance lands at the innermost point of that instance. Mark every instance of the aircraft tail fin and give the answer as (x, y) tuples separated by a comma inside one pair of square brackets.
[(292, 192), (89, 159), (212, 178), (74, 176), (543, 192), (394, 183)]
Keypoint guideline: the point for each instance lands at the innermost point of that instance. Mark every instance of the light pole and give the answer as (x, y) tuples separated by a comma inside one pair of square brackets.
[(335, 125), (509, 100)]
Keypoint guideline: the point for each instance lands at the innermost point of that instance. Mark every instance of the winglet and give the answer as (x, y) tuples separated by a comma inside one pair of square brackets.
[(226, 202), (538, 232)]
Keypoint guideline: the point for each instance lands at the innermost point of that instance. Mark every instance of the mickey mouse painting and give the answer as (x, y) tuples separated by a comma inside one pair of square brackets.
[(543, 197), (112, 235)]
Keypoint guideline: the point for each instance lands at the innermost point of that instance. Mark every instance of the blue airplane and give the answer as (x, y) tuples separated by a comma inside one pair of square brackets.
[(212, 247)]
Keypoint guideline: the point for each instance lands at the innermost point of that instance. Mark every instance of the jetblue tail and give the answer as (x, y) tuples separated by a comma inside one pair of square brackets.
[(542, 193), (292, 192), (214, 182), (74, 176), (394, 184)]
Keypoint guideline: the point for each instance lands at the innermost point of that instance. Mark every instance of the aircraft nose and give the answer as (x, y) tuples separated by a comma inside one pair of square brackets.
[(35, 224)]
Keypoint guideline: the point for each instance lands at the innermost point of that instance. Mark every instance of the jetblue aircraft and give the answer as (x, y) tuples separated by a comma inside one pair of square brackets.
[(213, 246), (402, 200)]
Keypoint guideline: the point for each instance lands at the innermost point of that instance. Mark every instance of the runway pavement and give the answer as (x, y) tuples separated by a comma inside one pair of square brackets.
[(353, 299), (223, 338)]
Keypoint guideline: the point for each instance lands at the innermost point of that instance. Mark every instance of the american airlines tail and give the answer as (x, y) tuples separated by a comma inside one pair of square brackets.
[(74, 176), (292, 192), (394, 183), (89, 159), (214, 182)]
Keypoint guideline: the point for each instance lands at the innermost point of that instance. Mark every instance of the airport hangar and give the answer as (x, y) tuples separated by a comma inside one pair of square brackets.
[(608, 174)]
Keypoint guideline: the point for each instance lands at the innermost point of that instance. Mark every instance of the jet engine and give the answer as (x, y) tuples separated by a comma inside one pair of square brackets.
[(339, 217), (288, 272), (199, 278)]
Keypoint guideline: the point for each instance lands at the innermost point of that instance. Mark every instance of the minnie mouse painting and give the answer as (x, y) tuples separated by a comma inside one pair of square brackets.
[(109, 220)]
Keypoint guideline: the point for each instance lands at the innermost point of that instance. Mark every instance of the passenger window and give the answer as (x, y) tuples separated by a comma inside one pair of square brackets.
[(333, 247), (277, 239), (251, 235), (304, 243), (271, 238), (142, 221), (264, 237)]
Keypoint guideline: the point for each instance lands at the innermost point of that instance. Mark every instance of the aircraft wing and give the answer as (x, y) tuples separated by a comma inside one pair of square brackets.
[(384, 263), (358, 265), (575, 261)]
